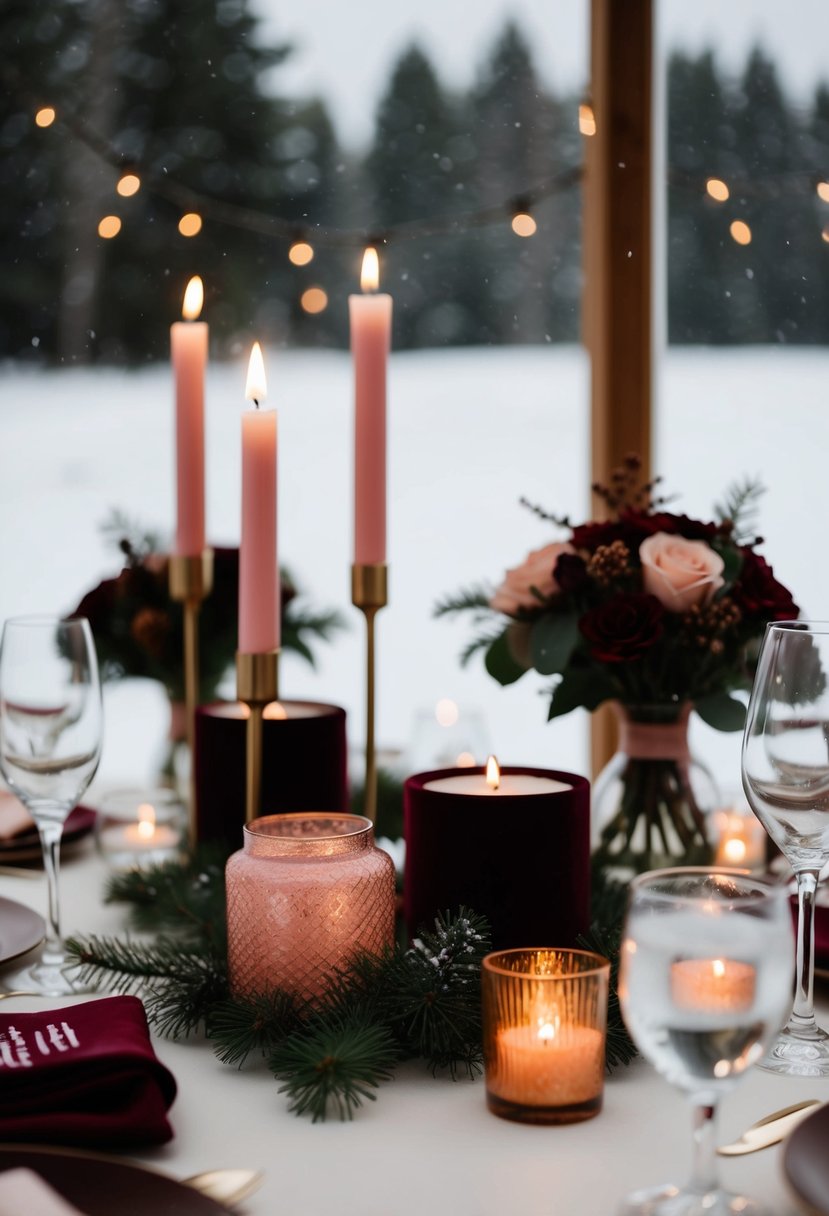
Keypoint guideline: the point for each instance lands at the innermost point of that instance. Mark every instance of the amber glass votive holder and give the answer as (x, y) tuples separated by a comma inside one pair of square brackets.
[(545, 1024), (307, 892)]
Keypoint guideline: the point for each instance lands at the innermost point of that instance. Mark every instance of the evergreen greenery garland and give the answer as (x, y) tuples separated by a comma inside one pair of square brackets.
[(421, 1002)]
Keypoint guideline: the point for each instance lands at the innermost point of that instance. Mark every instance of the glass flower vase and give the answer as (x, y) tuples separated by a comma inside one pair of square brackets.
[(652, 800)]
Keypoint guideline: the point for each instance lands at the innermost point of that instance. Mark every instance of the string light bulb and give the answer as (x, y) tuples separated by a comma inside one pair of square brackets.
[(109, 226), (824, 236), (587, 119), (740, 232), (314, 300), (129, 183), (301, 253), (823, 191), (190, 224), (717, 189), (45, 116)]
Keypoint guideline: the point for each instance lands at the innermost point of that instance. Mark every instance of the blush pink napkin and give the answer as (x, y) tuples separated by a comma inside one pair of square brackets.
[(84, 1075)]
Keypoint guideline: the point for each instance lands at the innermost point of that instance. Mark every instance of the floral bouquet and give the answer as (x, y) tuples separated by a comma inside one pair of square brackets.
[(138, 628), (654, 612)]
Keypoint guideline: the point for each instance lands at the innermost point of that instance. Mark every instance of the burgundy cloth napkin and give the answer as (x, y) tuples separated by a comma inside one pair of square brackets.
[(84, 1075)]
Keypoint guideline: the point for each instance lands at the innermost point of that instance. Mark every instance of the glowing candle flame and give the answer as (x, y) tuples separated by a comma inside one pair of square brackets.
[(493, 773), (275, 711), (256, 388), (146, 821), (547, 1032), (193, 299), (735, 849), (370, 273), (718, 968)]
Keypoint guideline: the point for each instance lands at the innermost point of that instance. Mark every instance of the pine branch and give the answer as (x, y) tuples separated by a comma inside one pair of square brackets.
[(740, 508), (253, 1024), (433, 998), (188, 896), (333, 1066), (466, 600), (179, 985)]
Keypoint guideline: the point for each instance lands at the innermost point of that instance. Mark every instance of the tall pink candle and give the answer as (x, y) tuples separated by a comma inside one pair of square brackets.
[(259, 624), (370, 316), (188, 343)]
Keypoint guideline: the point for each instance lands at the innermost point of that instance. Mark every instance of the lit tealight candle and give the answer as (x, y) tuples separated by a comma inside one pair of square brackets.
[(494, 783), (740, 840), (716, 985), (142, 842), (547, 1065)]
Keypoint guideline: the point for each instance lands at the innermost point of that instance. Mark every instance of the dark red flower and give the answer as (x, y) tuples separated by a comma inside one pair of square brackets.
[(623, 628), (570, 572), (632, 527), (758, 593)]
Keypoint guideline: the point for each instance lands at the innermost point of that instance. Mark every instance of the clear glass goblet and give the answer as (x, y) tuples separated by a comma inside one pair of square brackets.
[(51, 722), (704, 984), (785, 763)]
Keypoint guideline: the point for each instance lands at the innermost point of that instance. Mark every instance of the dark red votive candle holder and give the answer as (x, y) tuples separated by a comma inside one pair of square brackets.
[(304, 764), (522, 860)]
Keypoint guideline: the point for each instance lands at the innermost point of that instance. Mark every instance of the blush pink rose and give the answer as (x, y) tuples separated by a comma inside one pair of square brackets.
[(536, 571), (680, 573)]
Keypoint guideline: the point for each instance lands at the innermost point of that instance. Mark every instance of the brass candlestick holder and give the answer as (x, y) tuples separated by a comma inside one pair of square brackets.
[(369, 593), (257, 684), (191, 581)]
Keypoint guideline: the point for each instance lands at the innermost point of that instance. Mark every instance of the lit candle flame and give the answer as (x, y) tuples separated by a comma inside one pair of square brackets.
[(735, 849), (193, 299), (493, 773), (718, 968), (275, 711), (146, 821), (256, 388), (547, 1032), (370, 273)]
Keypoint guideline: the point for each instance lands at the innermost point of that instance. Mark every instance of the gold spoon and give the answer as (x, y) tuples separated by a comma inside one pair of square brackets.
[(228, 1186), (771, 1130)]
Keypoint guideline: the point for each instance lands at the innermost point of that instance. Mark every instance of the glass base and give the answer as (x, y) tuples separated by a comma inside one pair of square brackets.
[(519, 1112), (44, 979), (671, 1200), (798, 1054)]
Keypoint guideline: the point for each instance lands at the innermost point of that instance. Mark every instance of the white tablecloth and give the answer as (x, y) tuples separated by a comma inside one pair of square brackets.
[(426, 1146)]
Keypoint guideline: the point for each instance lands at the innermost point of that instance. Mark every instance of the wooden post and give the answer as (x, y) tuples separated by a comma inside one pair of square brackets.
[(617, 243)]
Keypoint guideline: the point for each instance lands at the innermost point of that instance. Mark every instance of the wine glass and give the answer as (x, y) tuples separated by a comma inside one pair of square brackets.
[(704, 984), (785, 764), (50, 744)]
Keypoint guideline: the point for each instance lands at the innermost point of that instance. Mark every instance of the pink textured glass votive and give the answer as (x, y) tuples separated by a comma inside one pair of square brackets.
[(306, 893)]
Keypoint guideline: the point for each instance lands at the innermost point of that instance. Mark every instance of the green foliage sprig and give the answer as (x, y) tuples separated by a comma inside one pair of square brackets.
[(421, 1002)]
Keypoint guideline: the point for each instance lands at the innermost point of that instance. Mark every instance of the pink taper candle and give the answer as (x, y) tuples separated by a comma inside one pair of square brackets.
[(188, 342), (370, 316), (258, 571)]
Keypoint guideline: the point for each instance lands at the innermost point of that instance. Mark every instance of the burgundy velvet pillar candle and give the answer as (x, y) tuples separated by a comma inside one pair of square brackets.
[(522, 859), (304, 764)]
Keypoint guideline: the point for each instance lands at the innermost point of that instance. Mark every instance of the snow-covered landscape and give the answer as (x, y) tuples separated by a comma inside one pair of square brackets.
[(471, 431)]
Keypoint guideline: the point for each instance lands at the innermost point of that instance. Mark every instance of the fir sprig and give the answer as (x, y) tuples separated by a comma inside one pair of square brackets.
[(251, 1024), (333, 1067), (188, 896), (608, 903), (740, 508), (476, 598)]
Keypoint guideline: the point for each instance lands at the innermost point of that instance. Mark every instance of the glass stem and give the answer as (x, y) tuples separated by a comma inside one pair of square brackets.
[(803, 1014), (704, 1174), (50, 834)]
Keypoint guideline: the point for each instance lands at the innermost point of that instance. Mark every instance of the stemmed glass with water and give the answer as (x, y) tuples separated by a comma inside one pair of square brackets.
[(50, 743), (704, 984), (786, 780)]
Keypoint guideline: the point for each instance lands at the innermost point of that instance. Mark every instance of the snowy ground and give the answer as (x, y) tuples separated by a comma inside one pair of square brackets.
[(470, 431)]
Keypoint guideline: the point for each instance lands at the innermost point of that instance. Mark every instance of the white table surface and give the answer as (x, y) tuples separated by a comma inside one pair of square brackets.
[(426, 1146)]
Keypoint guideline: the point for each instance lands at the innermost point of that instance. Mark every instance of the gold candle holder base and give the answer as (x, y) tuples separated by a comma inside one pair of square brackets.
[(257, 684), (369, 593), (190, 582)]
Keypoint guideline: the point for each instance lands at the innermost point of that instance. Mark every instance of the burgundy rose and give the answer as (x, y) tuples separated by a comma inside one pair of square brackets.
[(632, 527), (570, 573), (758, 593), (624, 628)]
